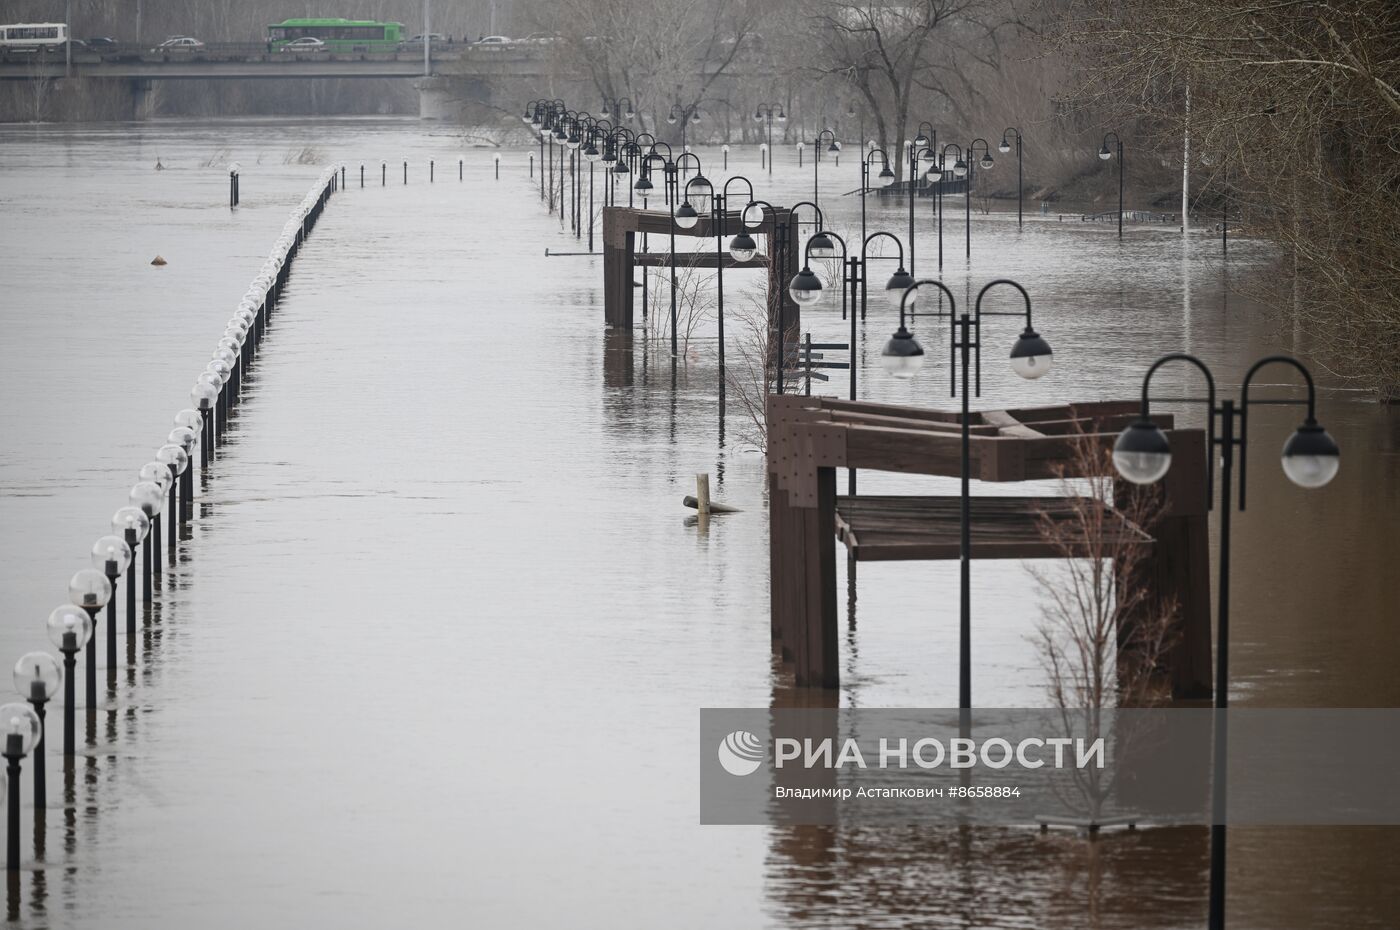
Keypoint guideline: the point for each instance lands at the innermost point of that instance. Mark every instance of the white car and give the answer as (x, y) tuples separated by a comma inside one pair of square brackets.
[(304, 44), (494, 40), (179, 44)]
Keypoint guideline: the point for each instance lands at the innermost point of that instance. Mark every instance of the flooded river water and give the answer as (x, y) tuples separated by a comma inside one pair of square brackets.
[(435, 650)]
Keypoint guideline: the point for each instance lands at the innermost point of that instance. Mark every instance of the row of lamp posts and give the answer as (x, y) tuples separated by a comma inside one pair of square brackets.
[(1142, 454), (165, 488)]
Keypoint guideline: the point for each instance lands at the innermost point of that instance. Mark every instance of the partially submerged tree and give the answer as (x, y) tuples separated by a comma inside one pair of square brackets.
[(1102, 633), (1295, 107)]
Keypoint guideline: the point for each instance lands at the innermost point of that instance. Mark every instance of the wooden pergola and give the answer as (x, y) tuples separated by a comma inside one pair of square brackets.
[(810, 437), (622, 226)]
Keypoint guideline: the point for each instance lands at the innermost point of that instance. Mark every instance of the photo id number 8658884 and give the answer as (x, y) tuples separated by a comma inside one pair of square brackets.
[(984, 791)]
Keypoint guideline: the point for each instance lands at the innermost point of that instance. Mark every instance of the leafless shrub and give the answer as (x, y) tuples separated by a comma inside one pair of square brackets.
[(749, 373), (305, 155), (1101, 635)]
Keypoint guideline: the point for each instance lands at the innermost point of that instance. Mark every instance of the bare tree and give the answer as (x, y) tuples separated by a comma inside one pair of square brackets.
[(1101, 636), (1297, 107), (904, 61), (657, 53)]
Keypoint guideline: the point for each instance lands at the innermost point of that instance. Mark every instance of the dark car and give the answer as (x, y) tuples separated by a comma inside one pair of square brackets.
[(101, 42)]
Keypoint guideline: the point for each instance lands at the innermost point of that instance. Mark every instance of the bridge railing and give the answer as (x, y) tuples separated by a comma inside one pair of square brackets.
[(264, 51)]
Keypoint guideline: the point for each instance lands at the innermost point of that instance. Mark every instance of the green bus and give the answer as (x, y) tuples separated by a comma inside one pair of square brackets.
[(337, 34)]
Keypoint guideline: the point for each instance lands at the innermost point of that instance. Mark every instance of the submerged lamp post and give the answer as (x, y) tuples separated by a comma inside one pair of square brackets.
[(985, 163), (37, 679), (157, 473), (959, 170), (133, 526), (683, 114), (922, 154), (743, 247), (204, 395), (1003, 147), (177, 460), (883, 178), (150, 497), (88, 589), (21, 728), (69, 629), (185, 437), (1311, 459), (770, 112), (1105, 153), (1030, 358), (112, 555), (833, 146), (806, 288)]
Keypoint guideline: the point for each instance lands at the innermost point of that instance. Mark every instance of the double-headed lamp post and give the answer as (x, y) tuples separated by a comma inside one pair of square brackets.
[(935, 173), (742, 247), (1105, 153), (883, 178), (1003, 147), (770, 112), (985, 163), (1143, 455), (683, 114), (684, 217), (902, 357), (806, 289)]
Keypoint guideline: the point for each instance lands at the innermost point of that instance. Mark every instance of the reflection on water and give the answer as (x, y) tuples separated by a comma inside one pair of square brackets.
[(436, 641)]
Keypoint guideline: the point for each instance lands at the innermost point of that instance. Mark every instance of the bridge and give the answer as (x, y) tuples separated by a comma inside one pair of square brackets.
[(458, 72)]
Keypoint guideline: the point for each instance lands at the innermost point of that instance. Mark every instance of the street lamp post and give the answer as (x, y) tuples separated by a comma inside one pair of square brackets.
[(177, 460), (742, 248), (752, 218), (806, 289), (70, 629), (1030, 358), (1311, 459), (921, 150), (884, 178), (37, 678), (21, 727), (112, 555), (1005, 146), (88, 589), (157, 473), (1105, 153), (986, 163), (683, 114), (150, 497), (770, 111), (959, 171), (833, 147)]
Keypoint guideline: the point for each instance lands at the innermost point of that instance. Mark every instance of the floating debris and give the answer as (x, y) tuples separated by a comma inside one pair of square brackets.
[(158, 261), (159, 166)]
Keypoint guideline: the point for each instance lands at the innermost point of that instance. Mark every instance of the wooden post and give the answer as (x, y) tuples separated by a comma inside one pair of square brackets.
[(817, 656), (702, 494), (1179, 568)]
